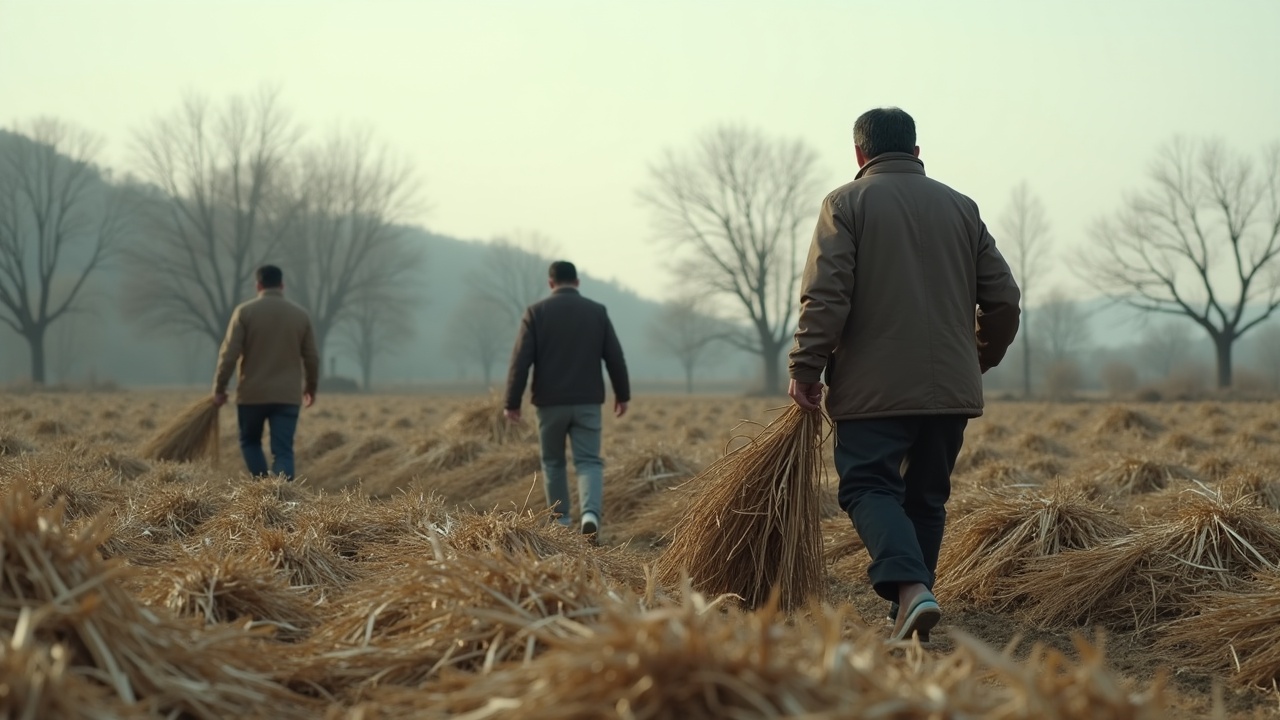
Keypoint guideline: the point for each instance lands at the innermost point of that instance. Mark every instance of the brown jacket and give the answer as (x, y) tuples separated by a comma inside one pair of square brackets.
[(272, 341), (897, 265), (564, 337)]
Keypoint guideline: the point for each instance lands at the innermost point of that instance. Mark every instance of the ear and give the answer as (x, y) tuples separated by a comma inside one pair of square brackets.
[(916, 151), (862, 159)]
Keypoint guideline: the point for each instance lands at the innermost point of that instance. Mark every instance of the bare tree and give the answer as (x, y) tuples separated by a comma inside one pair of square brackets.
[(1163, 346), (1062, 328), (376, 324), (480, 333), (1200, 242), (733, 209), (221, 215), (351, 196), (514, 273), (60, 222), (683, 329), (1025, 238)]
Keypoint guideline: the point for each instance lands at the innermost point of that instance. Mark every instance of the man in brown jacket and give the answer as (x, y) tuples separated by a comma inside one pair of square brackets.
[(274, 345), (564, 338), (897, 266)]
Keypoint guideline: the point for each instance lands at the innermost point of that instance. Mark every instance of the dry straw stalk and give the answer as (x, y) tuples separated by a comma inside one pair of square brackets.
[(191, 436), (756, 523)]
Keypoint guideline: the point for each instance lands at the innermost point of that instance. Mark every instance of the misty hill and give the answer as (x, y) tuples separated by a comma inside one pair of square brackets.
[(104, 344)]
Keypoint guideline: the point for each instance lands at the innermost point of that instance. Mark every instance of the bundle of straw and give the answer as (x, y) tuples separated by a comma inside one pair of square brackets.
[(756, 524), (1233, 631), (192, 435), (1004, 530), (1205, 544)]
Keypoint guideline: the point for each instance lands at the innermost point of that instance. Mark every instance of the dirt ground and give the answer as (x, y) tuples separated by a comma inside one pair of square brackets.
[(457, 448)]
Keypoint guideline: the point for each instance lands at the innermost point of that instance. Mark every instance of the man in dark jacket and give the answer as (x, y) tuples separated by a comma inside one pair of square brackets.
[(898, 264), (564, 338)]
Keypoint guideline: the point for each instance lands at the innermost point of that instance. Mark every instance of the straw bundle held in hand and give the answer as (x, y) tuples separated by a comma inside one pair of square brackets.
[(756, 521), (192, 435)]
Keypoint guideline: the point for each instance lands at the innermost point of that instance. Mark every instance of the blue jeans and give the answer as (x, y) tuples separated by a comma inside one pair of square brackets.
[(284, 423), (580, 425)]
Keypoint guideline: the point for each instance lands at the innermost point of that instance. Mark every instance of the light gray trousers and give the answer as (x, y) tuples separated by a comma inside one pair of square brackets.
[(580, 425)]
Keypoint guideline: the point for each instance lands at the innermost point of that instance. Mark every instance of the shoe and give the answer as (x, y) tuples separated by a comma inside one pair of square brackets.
[(590, 525), (921, 617)]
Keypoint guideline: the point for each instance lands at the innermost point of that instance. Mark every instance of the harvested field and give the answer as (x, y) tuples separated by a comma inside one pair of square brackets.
[(411, 572)]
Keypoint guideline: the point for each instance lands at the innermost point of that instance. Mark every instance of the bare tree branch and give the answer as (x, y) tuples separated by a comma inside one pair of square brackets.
[(218, 213), (349, 197), (1200, 241), (1024, 231), (733, 208), (60, 222)]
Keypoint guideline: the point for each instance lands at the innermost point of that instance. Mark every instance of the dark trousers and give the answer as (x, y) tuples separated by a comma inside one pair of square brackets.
[(895, 478), (283, 420)]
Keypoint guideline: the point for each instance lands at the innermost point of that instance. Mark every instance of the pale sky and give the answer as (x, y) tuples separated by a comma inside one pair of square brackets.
[(544, 114)]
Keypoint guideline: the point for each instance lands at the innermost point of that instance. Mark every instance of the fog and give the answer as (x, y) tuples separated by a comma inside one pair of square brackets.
[(548, 124)]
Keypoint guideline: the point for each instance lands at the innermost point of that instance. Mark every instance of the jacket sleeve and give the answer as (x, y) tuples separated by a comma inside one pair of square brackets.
[(229, 354), (826, 290), (521, 360), (615, 363), (310, 360), (998, 298)]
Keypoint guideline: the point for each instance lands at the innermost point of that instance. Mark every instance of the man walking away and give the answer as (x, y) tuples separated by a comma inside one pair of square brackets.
[(897, 265), (563, 338), (274, 345)]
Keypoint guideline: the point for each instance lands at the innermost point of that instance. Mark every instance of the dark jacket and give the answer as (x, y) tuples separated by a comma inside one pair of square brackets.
[(272, 343), (897, 265), (564, 337)]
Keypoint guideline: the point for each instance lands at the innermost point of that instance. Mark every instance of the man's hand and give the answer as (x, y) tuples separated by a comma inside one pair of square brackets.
[(512, 415), (219, 399), (308, 400), (807, 395), (619, 409)]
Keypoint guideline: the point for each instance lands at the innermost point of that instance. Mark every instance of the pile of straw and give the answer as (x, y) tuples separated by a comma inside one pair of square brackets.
[(55, 586), (485, 420), (1127, 421), (1235, 633), (1205, 544), (191, 436), (11, 445), (1135, 476), (693, 661), (229, 589), (641, 475), (994, 541), (755, 524), (470, 612)]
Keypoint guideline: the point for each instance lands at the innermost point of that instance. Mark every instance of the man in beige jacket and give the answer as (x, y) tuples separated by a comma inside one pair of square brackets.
[(897, 267), (272, 342)]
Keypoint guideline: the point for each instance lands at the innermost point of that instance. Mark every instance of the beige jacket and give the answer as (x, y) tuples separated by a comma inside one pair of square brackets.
[(897, 265), (272, 341)]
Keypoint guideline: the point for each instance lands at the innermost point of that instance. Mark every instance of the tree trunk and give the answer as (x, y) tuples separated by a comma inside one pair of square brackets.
[(771, 357), (488, 375), (688, 379), (1223, 344), (35, 341), (366, 374), (1026, 358)]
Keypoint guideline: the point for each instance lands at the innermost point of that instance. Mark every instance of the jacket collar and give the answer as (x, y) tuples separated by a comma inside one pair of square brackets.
[(565, 291), (892, 162), (271, 292)]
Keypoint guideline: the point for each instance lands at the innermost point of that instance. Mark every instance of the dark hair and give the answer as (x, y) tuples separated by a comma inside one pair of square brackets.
[(270, 276), (884, 130), (562, 271)]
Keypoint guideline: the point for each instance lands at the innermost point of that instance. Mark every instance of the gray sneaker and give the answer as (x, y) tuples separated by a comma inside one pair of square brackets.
[(591, 526)]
